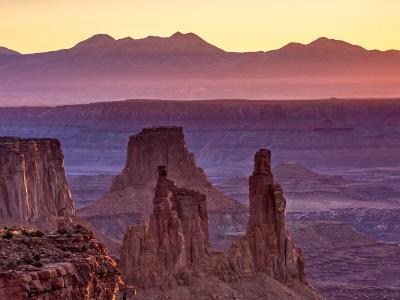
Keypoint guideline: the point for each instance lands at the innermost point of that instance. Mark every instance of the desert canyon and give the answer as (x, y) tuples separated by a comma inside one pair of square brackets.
[(342, 207), (170, 256)]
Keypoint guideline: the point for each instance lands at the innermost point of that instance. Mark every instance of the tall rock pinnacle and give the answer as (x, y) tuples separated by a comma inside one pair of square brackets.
[(173, 250), (271, 246)]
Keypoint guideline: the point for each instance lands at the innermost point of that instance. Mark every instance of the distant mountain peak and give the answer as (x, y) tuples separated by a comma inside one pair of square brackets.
[(192, 42), (176, 43), (177, 34), (6, 51), (191, 35), (322, 45), (324, 42), (98, 40)]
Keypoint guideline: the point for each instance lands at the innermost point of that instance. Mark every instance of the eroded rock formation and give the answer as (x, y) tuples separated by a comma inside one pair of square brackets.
[(132, 191), (272, 249), (33, 188), (173, 250), (56, 266), (176, 238)]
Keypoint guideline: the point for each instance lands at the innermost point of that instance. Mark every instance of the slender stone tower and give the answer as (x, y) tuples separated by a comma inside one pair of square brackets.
[(271, 246)]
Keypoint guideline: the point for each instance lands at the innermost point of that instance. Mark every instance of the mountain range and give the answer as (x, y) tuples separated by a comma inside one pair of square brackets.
[(184, 66)]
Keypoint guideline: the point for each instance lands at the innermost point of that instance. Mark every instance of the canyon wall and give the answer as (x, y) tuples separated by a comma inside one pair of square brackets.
[(33, 188), (67, 264)]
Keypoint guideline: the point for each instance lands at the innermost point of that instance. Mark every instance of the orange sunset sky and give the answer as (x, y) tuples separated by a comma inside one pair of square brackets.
[(236, 25)]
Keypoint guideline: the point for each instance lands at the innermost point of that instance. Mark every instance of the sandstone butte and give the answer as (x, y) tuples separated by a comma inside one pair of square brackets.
[(171, 256), (34, 195), (130, 197)]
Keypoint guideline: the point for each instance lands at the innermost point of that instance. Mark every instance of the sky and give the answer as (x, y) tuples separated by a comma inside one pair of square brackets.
[(235, 25)]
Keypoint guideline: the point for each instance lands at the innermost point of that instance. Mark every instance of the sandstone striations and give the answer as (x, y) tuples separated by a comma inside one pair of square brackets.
[(33, 188), (54, 266), (130, 197), (172, 253)]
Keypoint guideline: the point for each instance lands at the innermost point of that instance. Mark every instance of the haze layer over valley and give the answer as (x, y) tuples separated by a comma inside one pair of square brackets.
[(343, 148)]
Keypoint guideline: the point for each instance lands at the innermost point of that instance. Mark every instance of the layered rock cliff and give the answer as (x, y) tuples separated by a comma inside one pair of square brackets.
[(70, 265), (33, 188), (131, 192), (172, 253)]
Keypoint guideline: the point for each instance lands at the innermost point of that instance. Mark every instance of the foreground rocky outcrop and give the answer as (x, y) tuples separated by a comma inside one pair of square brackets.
[(68, 264), (63, 265), (33, 188), (130, 197), (172, 252)]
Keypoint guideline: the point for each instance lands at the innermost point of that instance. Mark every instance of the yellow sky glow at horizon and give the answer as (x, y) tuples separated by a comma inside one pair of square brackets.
[(42, 25)]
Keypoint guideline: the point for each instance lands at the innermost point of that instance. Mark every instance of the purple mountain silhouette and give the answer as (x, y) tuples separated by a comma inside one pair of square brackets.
[(6, 51), (184, 66)]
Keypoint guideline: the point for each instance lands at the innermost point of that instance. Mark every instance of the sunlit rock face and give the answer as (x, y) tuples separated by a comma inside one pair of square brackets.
[(33, 188)]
